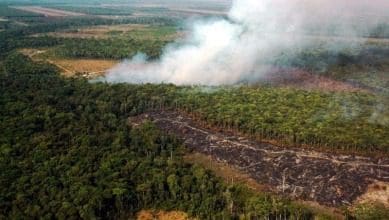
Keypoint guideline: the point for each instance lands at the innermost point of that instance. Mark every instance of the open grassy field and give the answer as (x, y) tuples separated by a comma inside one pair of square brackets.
[(101, 31), (48, 12), (150, 8), (134, 31), (88, 68), (95, 9)]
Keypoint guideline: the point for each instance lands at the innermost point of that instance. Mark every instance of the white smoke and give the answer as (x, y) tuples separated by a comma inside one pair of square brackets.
[(228, 51)]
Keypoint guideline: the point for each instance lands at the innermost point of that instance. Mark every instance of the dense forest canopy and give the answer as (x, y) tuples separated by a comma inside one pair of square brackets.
[(64, 140), (68, 151), (295, 117)]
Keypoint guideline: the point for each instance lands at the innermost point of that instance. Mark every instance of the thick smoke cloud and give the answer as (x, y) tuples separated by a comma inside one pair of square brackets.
[(242, 47)]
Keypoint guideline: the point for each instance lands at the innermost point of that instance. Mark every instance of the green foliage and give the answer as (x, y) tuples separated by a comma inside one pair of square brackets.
[(119, 45), (13, 65), (349, 121), (371, 212), (324, 56), (67, 152), (109, 48), (14, 37)]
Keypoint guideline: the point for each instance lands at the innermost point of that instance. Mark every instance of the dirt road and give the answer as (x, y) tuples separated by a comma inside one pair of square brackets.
[(328, 179)]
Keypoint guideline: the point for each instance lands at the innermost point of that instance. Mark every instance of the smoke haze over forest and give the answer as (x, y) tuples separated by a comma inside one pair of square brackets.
[(255, 34)]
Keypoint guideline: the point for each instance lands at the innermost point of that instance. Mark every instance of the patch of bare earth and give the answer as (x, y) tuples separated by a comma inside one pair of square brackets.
[(325, 178), (32, 53), (88, 68), (162, 215), (48, 12), (228, 173), (377, 192)]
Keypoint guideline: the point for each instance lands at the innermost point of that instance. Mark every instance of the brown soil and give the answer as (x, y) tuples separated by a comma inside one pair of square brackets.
[(377, 192), (328, 179), (229, 173), (48, 12), (161, 215), (88, 68), (32, 53)]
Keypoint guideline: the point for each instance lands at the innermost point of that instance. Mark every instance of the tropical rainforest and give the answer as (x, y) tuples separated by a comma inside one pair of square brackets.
[(69, 151)]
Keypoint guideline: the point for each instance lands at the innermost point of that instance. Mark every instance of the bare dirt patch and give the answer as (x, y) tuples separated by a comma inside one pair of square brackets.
[(377, 192), (228, 173), (161, 215), (48, 12), (88, 68), (328, 179), (32, 53)]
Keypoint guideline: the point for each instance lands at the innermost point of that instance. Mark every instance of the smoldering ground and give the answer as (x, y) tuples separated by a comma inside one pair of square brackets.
[(256, 35)]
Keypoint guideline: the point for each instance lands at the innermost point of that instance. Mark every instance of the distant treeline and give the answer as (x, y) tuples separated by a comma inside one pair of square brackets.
[(14, 37), (109, 48)]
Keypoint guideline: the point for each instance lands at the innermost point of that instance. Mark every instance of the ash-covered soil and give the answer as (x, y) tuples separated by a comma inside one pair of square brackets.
[(328, 179)]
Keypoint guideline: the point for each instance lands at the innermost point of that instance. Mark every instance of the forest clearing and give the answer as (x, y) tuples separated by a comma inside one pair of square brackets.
[(328, 179)]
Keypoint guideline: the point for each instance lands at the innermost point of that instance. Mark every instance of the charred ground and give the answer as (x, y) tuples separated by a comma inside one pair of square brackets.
[(328, 179)]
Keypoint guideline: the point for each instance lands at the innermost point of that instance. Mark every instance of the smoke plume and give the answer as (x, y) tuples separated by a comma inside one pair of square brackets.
[(256, 33)]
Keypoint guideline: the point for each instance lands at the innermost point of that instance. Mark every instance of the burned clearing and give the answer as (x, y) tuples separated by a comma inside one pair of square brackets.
[(302, 79), (328, 179)]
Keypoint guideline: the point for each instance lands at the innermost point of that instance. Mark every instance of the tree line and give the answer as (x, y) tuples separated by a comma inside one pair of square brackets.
[(14, 36), (115, 48), (350, 121)]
